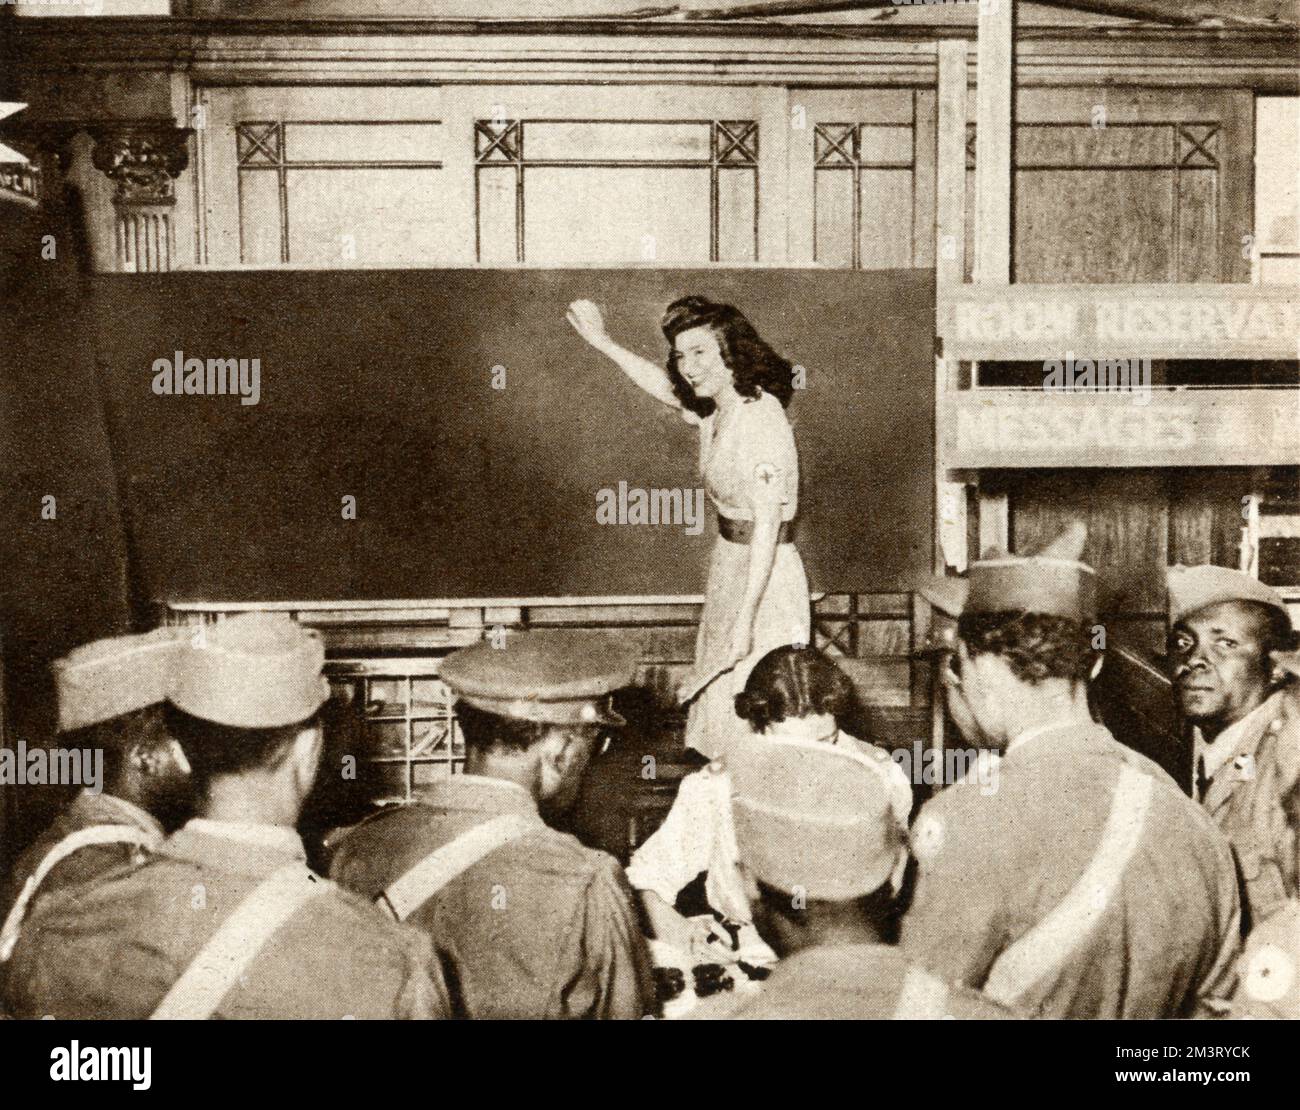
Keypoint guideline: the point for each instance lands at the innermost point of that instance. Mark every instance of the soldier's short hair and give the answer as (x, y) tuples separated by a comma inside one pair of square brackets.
[(214, 749), (1274, 627), (140, 729), (1036, 646), (484, 731)]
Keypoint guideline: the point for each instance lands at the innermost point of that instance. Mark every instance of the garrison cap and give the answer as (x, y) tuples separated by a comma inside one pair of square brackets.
[(108, 678), (1053, 582), (1193, 588), (553, 676), (255, 670), (813, 817)]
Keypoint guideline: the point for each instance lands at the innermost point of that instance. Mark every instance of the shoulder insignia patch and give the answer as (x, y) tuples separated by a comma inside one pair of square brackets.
[(928, 836)]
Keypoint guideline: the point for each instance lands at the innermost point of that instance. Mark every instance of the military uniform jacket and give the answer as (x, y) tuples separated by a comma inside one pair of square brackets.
[(542, 927), (1248, 796), (112, 948), (1005, 870), (85, 811), (853, 982)]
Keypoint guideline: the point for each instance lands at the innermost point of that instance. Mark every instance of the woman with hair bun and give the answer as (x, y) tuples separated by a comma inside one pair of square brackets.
[(723, 378), (793, 693)]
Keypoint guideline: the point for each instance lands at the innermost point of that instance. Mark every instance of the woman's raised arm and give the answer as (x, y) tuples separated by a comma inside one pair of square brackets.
[(588, 323)]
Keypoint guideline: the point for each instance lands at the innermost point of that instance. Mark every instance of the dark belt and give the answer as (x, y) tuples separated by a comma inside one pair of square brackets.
[(742, 531)]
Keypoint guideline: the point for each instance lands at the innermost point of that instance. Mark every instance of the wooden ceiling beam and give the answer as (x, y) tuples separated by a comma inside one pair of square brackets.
[(1181, 13), (1193, 13)]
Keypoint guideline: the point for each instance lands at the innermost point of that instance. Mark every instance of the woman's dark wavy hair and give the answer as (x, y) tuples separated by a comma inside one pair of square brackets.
[(753, 364), (794, 681)]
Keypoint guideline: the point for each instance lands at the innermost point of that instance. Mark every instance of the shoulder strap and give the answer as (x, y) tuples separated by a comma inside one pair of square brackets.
[(235, 945), (73, 842), (1046, 948), (421, 882), (923, 997)]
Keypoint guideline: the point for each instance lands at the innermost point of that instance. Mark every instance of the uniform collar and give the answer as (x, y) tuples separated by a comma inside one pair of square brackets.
[(227, 846), (1032, 735), (829, 960), (109, 809), (480, 794), (1240, 738)]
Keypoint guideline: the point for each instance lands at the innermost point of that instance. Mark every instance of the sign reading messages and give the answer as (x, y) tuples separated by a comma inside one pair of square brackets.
[(997, 428), (1025, 322)]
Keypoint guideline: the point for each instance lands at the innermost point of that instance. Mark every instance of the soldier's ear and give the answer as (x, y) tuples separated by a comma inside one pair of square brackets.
[(305, 751), (553, 749)]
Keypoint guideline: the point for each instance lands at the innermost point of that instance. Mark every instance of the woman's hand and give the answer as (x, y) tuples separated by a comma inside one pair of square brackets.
[(588, 323), (742, 640)]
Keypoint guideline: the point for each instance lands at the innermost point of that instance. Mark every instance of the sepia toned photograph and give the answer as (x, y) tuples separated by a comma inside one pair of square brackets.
[(590, 509)]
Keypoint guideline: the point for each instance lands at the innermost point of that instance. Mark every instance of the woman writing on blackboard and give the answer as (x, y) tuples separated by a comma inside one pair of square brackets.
[(722, 377)]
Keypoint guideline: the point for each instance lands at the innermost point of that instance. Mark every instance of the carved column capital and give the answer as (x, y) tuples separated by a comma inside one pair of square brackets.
[(142, 158)]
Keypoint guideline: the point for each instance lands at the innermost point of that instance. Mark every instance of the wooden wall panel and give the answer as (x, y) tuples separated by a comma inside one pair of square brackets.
[(1126, 513), (1127, 185), (1198, 226), (1205, 515), (1095, 226)]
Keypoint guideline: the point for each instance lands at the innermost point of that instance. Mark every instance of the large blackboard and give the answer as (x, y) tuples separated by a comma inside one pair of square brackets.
[(378, 385)]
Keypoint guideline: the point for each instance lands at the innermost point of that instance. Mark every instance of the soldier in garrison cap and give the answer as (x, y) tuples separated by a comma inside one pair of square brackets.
[(1087, 885), (1234, 679), (793, 692), (822, 849), (226, 920), (534, 924), (109, 694)]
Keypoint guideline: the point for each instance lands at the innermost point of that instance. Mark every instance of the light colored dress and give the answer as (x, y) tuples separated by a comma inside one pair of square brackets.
[(747, 460), (699, 834)]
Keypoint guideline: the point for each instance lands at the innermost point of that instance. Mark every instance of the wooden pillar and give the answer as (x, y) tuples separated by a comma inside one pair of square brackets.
[(994, 194), (143, 159), (950, 270), (993, 142)]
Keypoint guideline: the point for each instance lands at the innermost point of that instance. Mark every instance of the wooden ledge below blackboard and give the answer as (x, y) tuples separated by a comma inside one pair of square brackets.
[(444, 623)]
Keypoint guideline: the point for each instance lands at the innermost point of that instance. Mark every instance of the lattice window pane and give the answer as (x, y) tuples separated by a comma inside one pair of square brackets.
[(362, 142), (1277, 176), (259, 217), (324, 177), (614, 142), (596, 214), (343, 217), (833, 199), (737, 216), (1198, 145), (617, 191), (1084, 146), (497, 203), (258, 144), (885, 224), (881, 145)]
